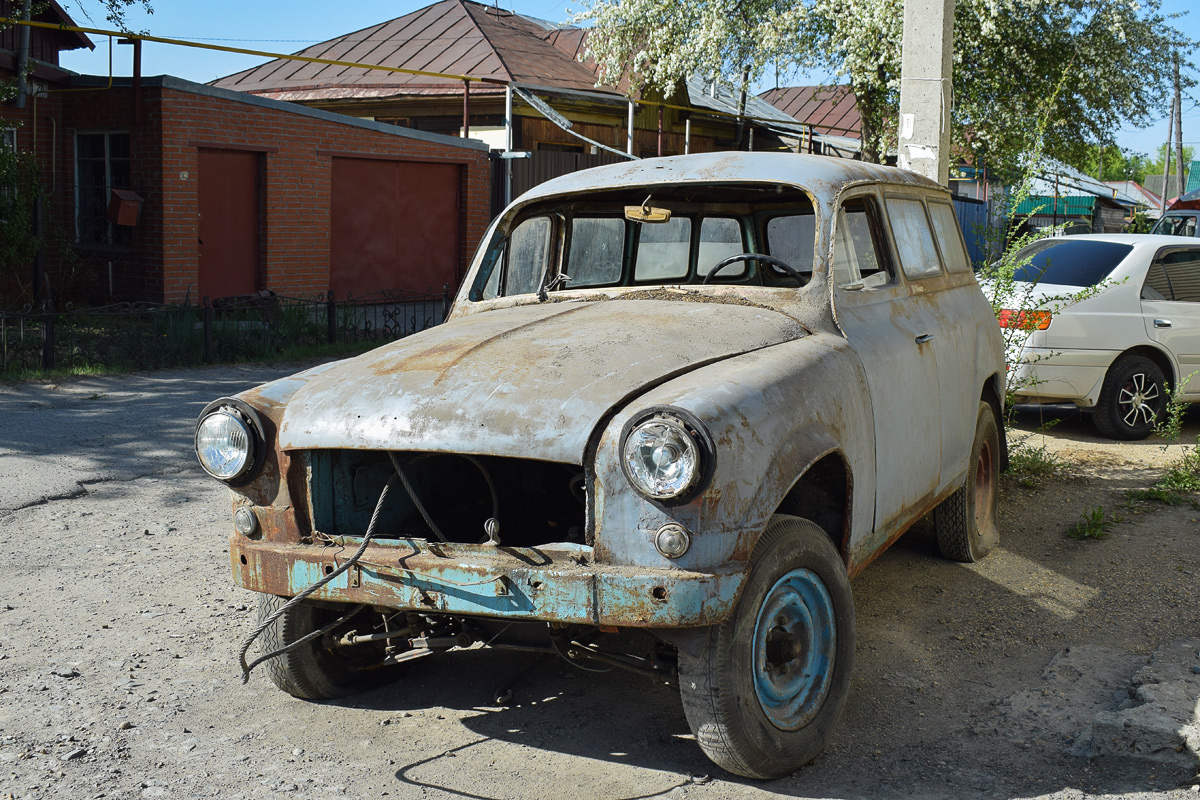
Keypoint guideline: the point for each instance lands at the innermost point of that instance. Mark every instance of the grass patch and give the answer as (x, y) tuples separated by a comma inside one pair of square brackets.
[(1033, 465), (1094, 524), (1155, 494), (1183, 476)]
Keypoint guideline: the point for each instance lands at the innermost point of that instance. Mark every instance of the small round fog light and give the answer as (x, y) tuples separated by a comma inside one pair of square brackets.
[(672, 540), (245, 522)]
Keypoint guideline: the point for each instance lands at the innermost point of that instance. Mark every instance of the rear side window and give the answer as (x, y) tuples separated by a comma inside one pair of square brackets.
[(1156, 287), (914, 239), (1069, 262), (1183, 274), (945, 225)]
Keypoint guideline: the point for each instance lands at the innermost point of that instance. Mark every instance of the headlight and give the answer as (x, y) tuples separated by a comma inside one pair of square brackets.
[(666, 456), (226, 444)]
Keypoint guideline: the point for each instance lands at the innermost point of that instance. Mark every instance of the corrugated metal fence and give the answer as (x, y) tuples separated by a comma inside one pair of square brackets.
[(973, 219)]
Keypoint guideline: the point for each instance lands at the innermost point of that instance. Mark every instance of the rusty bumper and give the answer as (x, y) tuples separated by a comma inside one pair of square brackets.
[(544, 584)]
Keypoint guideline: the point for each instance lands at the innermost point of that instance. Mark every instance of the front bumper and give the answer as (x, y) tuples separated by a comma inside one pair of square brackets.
[(549, 584)]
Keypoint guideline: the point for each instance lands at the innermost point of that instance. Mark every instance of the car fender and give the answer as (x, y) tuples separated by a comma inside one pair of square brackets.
[(771, 414)]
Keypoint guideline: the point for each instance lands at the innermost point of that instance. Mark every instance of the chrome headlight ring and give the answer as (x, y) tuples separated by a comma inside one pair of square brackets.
[(230, 441), (667, 455)]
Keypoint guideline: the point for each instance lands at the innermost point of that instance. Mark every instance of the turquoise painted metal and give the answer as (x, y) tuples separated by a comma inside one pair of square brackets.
[(795, 639), (560, 584)]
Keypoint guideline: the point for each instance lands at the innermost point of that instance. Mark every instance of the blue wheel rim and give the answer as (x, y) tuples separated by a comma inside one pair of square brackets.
[(795, 641)]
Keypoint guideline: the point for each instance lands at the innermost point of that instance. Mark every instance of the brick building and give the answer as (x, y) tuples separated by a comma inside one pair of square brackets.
[(172, 190)]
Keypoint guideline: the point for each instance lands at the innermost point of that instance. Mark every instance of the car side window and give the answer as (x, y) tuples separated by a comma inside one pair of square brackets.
[(914, 239), (528, 255), (857, 252), (1156, 287), (949, 236), (1183, 273)]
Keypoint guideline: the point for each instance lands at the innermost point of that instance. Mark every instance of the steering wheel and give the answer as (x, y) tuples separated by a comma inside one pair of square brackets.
[(772, 260)]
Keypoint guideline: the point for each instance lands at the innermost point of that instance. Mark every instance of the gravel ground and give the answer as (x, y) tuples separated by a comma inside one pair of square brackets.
[(1046, 670)]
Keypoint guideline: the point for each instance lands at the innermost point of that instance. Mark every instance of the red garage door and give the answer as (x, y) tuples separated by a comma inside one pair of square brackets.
[(395, 225), (228, 230)]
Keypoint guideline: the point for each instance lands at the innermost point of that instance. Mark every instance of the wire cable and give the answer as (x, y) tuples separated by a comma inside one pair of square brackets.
[(295, 601)]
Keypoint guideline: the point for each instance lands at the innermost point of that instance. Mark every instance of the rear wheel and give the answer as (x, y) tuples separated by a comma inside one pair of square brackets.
[(320, 669), (966, 522), (1133, 398), (768, 685)]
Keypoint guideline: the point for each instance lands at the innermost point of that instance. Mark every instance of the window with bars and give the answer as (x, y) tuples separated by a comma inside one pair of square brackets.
[(101, 164)]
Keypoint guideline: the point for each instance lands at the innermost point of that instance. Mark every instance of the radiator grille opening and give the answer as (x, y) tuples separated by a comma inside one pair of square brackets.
[(539, 502)]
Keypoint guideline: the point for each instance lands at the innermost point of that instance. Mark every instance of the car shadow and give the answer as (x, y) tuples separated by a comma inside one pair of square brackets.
[(1068, 422), (946, 655)]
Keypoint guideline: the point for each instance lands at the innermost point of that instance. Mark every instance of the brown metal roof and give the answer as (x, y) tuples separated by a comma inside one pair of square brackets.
[(829, 109), (452, 36)]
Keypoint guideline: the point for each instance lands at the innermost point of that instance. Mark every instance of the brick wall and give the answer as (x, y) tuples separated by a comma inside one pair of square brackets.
[(176, 118), (297, 151)]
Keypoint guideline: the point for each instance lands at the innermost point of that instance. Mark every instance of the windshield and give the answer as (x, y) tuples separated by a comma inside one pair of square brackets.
[(588, 242), (1175, 225), (1069, 262)]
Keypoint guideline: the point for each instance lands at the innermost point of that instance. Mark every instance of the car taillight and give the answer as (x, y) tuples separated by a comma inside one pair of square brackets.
[(1025, 320)]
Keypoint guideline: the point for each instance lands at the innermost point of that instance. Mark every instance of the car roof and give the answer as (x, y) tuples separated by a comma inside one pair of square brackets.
[(1136, 239), (821, 175)]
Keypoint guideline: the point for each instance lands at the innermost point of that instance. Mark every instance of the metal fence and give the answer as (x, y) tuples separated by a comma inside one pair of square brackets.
[(150, 336)]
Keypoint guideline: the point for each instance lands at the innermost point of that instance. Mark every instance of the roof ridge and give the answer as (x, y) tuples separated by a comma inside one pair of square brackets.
[(483, 35)]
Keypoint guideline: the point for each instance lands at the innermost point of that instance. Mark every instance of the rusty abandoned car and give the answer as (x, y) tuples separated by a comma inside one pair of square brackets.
[(677, 404)]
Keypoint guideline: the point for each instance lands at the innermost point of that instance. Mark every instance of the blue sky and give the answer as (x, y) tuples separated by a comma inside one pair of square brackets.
[(290, 26)]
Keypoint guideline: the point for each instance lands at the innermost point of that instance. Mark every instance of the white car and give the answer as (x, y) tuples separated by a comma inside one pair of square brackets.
[(1118, 351)]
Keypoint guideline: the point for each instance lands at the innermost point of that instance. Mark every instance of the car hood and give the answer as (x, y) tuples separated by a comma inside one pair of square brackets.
[(529, 381)]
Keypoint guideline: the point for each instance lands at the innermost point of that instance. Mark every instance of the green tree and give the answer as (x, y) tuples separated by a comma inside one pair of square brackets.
[(1118, 164), (1009, 57), (1155, 167)]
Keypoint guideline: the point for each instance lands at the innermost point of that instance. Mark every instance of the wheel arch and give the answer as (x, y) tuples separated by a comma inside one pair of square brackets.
[(993, 395), (821, 493), (1158, 356)]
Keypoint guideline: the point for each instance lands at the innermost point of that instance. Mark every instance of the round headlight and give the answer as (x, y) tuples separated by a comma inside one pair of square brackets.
[(225, 445), (662, 458)]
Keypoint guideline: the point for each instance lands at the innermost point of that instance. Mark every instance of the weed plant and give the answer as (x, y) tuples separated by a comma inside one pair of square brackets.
[(1094, 524)]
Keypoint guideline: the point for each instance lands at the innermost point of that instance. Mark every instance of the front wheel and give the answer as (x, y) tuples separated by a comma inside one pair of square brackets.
[(768, 685), (966, 522), (1132, 399), (321, 668)]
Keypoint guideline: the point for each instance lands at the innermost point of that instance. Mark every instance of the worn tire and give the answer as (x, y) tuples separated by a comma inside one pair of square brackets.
[(314, 671), (1132, 399), (798, 580), (966, 522)]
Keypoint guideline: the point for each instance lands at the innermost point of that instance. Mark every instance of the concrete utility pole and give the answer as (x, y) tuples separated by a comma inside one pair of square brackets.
[(926, 88), (1179, 132), (1167, 157)]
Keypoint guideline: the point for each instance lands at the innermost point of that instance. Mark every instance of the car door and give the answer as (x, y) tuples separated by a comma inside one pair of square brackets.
[(890, 334), (1170, 301)]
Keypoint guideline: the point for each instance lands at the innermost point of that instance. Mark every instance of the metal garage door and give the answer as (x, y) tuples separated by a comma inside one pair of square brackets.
[(228, 230), (394, 225)]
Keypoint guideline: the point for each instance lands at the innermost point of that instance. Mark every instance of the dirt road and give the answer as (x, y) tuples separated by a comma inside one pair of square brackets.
[(119, 626)]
